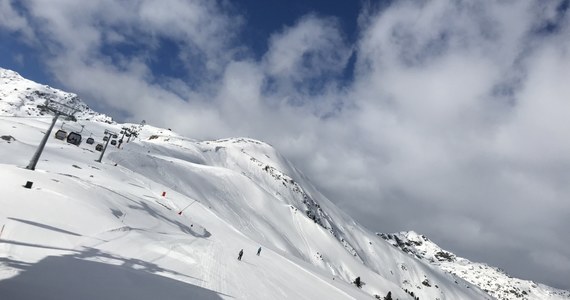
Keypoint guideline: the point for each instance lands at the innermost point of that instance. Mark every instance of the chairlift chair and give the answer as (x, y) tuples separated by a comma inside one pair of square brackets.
[(99, 147), (113, 142), (115, 136), (74, 138), (90, 141), (105, 138), (61, 134)]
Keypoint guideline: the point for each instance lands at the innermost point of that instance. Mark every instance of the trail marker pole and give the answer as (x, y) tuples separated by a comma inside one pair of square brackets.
[(180, 212)]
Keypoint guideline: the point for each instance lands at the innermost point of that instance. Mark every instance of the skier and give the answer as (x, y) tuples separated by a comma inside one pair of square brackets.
[(240, 254), (258, 251), (357, 282)]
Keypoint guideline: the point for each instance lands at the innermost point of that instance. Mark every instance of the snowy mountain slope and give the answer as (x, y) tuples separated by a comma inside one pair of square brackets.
[(89, 219), (491, 279), (21, 97), (276, 204), (95, 231)]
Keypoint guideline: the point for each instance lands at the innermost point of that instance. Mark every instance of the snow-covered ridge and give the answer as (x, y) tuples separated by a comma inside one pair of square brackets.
[(492, 280), (182, 209), (20, 97), (288, 213)]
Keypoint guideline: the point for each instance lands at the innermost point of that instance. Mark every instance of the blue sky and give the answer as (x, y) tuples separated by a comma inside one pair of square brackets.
[(260, 20), (445, 117)]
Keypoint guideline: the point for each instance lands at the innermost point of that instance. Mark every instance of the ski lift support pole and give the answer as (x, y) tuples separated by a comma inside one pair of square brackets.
[(124, 130), (110, 133), (58, 109)]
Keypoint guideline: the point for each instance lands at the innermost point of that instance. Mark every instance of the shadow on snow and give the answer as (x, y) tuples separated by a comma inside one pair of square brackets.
[(82, 275)]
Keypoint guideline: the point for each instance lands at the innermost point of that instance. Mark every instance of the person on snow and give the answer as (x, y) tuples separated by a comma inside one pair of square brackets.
[(357, 282), (258, 251), (240, 254)]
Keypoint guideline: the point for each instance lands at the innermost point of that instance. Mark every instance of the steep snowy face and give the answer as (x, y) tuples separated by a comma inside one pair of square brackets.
[(248, 184), (21, 97), (492, 280)]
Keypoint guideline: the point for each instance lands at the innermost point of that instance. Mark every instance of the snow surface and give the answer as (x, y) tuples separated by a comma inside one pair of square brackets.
[(89, 230), (491, 279)]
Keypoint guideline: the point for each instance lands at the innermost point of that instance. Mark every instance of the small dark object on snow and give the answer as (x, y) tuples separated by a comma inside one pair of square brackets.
[(357, 282), (240, 254), (90, 141), (8, 138), (28, 184), (258, 251)]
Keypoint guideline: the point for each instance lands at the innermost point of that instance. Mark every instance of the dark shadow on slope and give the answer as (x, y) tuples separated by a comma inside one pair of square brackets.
[(67, 277), (78, 276), (155, 214), (117, 213), (93, 253), (44, 226)]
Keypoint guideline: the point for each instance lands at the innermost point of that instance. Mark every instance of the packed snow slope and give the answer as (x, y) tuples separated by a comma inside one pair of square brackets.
[(164, 216), (491, 279)]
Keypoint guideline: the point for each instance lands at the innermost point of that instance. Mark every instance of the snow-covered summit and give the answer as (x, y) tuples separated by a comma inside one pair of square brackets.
[(20, 97), (492, 280)]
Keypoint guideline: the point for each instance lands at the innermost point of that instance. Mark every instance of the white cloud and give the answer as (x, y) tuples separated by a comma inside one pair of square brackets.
[(313, 47), (11, 20)]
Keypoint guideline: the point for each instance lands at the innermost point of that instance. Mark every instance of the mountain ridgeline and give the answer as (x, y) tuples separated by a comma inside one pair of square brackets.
[(253, 190)]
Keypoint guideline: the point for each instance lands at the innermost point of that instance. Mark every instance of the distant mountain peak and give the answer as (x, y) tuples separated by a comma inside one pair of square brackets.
[(20, 97), (495, 281)]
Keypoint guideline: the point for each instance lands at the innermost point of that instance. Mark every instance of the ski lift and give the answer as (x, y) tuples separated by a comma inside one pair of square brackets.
[(99, 147), (105, 138), (74, 138), (90, 141), (115, 136), (61, 134), (113, 142)]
